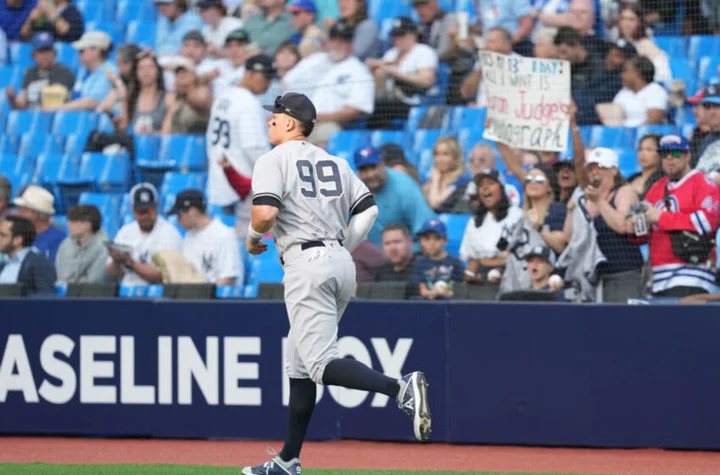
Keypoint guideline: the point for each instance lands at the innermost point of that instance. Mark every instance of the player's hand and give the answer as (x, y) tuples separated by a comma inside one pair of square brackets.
[(224, 162), (255, 248)]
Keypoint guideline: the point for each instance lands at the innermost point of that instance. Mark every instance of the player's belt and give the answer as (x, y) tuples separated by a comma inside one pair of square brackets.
[(311, 244)]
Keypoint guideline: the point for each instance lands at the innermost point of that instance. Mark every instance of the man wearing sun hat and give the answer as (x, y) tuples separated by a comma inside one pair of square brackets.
[(37, 205), (683, 209)]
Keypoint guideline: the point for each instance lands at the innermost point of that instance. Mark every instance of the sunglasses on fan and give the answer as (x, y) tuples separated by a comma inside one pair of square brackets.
[(536, 179)]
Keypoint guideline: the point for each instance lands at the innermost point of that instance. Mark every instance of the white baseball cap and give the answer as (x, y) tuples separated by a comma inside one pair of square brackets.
[(93, 39), (184, 63), (604, 157)]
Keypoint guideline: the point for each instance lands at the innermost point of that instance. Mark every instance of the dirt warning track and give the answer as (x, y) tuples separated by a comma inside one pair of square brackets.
[(363, 455)]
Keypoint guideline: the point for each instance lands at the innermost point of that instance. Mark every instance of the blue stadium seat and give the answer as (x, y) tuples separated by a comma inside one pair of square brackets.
[(20, 121), (688, 130), (75, 144), (33, 144), (424, 140), (68, 55), (141, 33), (380, 10), (94, 11), (133, 10), (17, 182), (108, 204), (97, 172), (133, 291), (266, 267), (424, 165), (174, 183), (455, 224), (467, 118), (674, 46), (14, 165), (49, 168), (10, 143), (612, 137), (708, 69), (179, 152), (469, 137), (12, 76), (146, 147), (683, 68), (467, 6), (628, 161), (380, 137), (348, 142), (661, 129), (703, 46), (115, 29), (74, 122), (21, 54)]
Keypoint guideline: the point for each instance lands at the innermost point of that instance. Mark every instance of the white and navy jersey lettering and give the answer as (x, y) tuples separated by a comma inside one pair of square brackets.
[(315, 192)]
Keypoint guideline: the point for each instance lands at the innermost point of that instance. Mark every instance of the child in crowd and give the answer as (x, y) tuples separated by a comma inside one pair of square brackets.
[(541, 264), (435, 269)]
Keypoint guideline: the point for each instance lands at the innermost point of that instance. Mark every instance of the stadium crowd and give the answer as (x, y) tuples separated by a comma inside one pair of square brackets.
[(591, 224)]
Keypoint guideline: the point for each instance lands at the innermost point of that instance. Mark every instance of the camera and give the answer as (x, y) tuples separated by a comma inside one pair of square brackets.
[(637, 214)]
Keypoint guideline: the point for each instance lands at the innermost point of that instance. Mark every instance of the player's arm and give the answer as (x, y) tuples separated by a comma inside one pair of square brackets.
[(364, 214), (268, 184)]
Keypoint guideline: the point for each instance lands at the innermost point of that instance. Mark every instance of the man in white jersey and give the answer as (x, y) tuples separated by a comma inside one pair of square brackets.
[(237, 130), (209, 245), (130, 259), (303, 196)]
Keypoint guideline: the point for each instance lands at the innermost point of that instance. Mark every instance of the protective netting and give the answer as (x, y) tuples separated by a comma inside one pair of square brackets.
[(537, 138)]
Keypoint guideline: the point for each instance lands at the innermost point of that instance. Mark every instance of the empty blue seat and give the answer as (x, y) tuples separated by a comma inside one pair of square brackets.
[(627, 161), (179, 152), (424, 140), (660, 129), (133, 291), (708, 69), (51, 167), (99, 172), (20, 122), (21, 54), (68, 55), (107, 203), (684, 69), (674, 46), (12, 76), (146, 147), (94, 11), (74, 122), (703, 46), (455, 224), (133, 10), (141, 33), (75, 144), (467, 118), (14, 165), (10, 143), (380, 137), (612, 137), (115, 29), (17, 182), (174, 183), (347, 141), (34, 144), (381, 10)]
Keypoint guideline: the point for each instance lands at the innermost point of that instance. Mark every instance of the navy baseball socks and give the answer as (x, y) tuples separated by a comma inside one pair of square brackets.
[(303, 393), (352, 374)]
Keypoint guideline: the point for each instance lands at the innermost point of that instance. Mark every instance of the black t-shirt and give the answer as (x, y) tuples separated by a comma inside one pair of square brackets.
[(386, 273), (70, 14), (35, 80)]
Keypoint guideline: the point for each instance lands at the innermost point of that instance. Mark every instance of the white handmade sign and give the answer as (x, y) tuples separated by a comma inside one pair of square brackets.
[(528, 101)]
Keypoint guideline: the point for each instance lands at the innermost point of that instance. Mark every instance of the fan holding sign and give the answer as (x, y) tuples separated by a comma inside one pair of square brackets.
[(528, 101)]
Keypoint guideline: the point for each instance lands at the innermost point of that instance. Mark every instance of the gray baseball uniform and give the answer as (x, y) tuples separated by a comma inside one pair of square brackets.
[(316, 193)]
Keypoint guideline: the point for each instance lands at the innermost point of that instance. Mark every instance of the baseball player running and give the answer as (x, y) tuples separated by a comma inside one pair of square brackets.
[(303, 195)]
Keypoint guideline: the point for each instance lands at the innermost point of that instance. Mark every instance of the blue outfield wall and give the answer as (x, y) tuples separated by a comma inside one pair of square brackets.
[(499, 373)]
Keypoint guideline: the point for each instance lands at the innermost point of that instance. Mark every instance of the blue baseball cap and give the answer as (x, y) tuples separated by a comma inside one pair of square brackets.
[(433, 226), (712, 93), (42, 40), (674, 142), (301, 6), (367, 156)]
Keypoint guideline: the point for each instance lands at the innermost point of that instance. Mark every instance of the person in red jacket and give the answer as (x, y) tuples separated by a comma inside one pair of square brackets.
[(684, 200), (241, 184)]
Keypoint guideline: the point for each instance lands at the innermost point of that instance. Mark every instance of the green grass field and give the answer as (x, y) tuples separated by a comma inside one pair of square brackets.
[(51, 469)]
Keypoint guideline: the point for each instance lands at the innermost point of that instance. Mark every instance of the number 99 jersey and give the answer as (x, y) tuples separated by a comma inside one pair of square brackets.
[(238, 130), (316, 193)]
